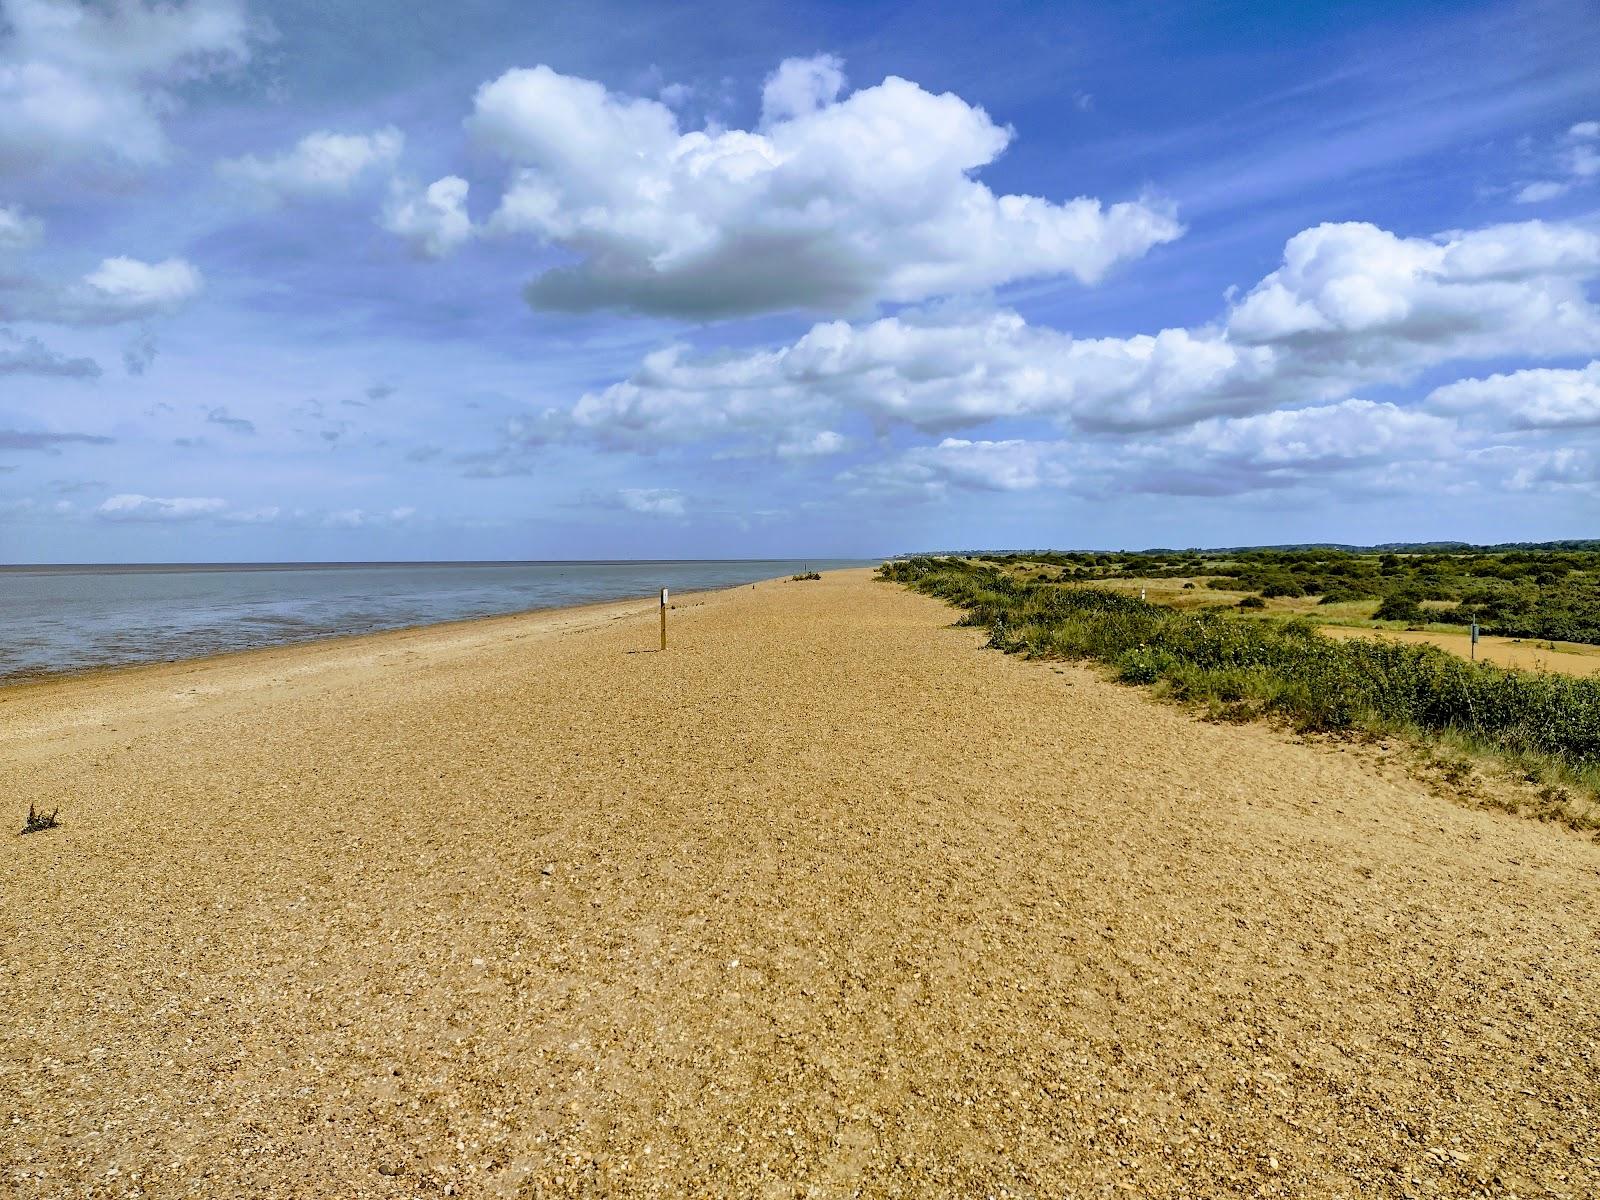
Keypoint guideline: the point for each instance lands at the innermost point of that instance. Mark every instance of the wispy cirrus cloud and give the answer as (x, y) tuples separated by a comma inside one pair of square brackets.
[(1575, 163), (27, 439)]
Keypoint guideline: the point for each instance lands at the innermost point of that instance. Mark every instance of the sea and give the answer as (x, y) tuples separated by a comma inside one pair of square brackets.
[(57, 619)]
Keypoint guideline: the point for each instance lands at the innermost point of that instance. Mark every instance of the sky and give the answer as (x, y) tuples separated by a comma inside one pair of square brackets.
[(363, 281)]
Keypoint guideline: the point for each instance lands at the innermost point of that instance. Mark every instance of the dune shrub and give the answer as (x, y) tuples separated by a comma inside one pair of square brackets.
[(1282, 587), (1400, 608)]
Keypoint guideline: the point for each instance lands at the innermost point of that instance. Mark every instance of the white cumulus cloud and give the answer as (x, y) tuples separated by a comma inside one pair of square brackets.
[(832, 203), (1008, 465), (1563, 468), (127, 289), (119, 289), (800, 87), (1218, 456), (1278, 449), (1351, 305), (813, 445), (434, 221), (320, 165), (1536, 398), (87, 85), (1364, 297), (934, 372)]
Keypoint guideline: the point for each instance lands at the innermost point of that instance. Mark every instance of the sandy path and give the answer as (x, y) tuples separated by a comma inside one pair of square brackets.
[(1525, 654), (825, 901)]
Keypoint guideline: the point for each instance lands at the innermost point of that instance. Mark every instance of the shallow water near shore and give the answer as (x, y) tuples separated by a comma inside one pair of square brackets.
[(56, 619)]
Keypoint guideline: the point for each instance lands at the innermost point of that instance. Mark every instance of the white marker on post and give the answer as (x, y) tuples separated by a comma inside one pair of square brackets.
[(663, 618)]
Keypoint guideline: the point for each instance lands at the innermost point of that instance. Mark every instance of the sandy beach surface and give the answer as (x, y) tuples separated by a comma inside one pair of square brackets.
[(824, 901)]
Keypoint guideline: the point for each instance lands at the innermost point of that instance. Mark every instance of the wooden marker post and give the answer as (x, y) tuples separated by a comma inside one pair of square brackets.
[(663, 618), (1474, 641)]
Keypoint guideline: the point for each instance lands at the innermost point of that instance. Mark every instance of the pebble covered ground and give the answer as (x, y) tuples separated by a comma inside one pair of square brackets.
[(824, 901)]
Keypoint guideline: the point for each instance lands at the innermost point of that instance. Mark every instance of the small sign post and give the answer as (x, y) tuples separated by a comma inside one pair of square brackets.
[(1474, 641), (663, 618)]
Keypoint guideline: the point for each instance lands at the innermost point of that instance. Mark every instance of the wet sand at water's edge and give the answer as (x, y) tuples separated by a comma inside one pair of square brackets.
[(824, 901)]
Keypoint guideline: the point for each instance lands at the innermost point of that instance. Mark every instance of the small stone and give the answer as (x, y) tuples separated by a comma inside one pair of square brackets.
[(548, 869)]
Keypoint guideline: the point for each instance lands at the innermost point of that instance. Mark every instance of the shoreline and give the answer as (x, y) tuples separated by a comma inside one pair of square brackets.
[(116, 700), (10, 684)]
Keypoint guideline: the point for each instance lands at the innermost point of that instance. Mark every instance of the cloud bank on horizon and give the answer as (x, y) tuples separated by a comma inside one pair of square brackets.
[(268, 292)]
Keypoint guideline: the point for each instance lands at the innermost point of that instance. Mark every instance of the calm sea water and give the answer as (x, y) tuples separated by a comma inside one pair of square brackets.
[(56, 619)]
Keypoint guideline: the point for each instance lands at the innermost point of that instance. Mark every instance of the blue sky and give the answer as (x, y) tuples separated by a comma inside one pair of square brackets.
[(494, 280)]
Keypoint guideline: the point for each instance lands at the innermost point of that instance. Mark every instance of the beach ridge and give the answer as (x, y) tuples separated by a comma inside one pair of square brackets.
[(826, 897)]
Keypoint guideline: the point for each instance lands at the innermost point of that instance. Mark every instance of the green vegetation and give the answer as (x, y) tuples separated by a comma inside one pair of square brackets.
[(809, 575), (1244, 667), (1548, 591)]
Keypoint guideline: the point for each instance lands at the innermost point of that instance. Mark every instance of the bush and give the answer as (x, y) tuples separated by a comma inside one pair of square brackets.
[(1400, 608), (1144, 664), (1252, 602)]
